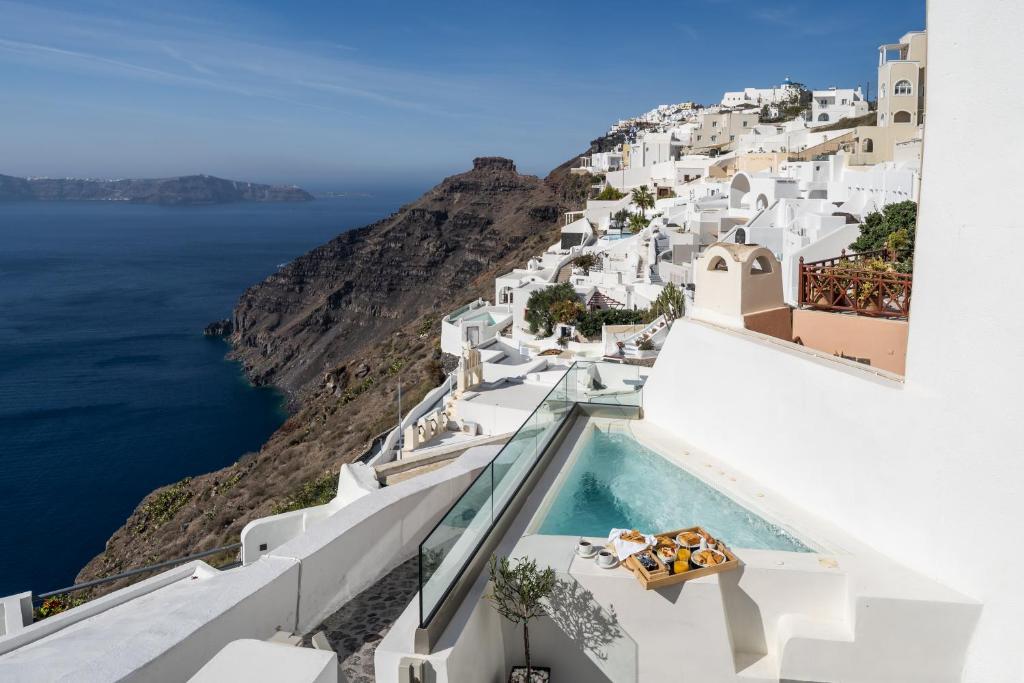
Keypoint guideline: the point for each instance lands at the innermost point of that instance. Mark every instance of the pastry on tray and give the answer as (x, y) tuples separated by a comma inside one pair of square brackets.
[(633, 536), (689, 539), (707, 558)]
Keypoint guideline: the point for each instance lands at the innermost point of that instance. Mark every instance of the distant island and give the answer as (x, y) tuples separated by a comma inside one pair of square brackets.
[(191, 190)]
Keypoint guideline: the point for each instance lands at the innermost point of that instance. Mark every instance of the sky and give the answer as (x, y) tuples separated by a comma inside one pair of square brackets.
[(352, 96)]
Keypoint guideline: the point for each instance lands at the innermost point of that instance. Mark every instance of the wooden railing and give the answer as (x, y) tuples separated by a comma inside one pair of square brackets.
[(838, 284)]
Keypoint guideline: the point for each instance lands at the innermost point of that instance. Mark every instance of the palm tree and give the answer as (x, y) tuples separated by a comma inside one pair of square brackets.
[(643, 198), (637, 222)]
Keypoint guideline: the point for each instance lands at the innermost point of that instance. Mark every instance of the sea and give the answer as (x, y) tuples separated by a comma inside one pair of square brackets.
[(108, 388)]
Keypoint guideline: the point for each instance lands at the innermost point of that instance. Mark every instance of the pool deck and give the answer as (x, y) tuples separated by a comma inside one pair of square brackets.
[(796, 615)]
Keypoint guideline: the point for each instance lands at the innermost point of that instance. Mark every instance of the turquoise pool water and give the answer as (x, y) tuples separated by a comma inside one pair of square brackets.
[(617, 482)]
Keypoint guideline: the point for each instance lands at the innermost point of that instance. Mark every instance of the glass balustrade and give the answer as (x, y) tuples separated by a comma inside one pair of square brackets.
[(451, 545)]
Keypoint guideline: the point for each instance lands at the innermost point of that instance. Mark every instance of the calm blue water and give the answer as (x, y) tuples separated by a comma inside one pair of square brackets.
[(107, 387), (616, 482)]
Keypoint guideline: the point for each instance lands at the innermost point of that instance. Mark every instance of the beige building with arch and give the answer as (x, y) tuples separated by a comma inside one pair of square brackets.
[(740, 286), (901, 79)]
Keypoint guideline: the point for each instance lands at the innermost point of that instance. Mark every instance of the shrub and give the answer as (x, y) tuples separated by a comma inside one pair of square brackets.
[(164, 505), (586, 262), (637, 222), (56, 605), (316, 492), (566, 312), (539, 307), (591, 322), (670, 303), (892, 229), (646, 344), (609, 194)]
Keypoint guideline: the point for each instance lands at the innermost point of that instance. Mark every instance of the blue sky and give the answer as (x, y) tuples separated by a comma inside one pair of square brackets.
[(357, 95)]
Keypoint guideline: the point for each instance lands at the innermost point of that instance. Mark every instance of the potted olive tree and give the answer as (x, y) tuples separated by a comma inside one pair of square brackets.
[(517, 593)]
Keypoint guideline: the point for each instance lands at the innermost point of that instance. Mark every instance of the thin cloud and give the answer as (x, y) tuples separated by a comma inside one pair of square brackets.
[(195, 66)]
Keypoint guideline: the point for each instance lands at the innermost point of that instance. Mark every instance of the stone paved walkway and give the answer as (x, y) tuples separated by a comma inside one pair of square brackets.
[(356, 628)]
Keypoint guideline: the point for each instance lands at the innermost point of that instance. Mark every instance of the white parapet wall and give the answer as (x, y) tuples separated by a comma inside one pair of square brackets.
[(165, 634), (167, 627), (262, 536), (348, 552)]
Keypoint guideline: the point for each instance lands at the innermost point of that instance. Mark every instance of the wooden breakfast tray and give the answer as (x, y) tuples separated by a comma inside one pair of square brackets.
[(660, 577)]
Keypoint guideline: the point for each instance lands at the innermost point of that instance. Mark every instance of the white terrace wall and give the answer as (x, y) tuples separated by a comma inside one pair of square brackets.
[(909, 467), (164, 635), (174, 623), (352, 549)]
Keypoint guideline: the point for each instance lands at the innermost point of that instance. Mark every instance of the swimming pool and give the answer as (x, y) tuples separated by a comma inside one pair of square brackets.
[(616, 481)]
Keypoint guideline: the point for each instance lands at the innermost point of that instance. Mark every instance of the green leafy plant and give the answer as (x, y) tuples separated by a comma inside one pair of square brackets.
[(586, 262), (637, 222), (893, 229), (164, 504), (591, 322), (646, 344), (643, 198), (620, 218), (538, 315), (518, 593), (566, 312), (55, 605), (670, 303), (319, 491), (609, 194)]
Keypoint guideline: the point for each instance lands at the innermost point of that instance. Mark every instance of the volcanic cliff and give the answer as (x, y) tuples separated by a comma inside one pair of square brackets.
[(337, 329)]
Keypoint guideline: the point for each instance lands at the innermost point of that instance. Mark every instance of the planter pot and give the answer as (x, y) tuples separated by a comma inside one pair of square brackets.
[(541, 674)]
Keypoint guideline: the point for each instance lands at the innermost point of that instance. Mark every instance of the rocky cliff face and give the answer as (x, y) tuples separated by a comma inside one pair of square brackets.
[(338, 329), (184, 190)]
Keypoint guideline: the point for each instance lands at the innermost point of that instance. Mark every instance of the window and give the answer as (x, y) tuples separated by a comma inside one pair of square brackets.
[(732, 137), (881, 92), (698, 137), (844, 101), (714, 138), (823, 117), (714, 124), (901, 117), (761, 266), (867, 145), (718, 263), (903, 88), (744, 124)]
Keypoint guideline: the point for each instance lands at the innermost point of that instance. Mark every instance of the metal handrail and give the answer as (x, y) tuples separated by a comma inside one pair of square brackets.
[(136, 571)]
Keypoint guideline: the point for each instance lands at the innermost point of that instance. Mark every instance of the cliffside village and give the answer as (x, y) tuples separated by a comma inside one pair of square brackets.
[(698, 424), (747, 209)]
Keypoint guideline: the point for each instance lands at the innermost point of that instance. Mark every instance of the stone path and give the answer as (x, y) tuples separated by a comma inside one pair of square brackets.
[(356, 628)]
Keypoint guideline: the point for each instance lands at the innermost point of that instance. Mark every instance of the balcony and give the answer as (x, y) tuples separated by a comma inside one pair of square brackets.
[(862, 284)]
